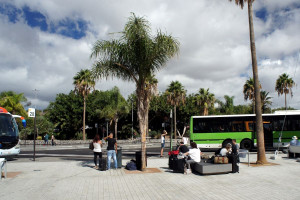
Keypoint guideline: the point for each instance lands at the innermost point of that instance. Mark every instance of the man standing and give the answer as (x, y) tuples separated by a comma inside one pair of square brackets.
[(46, 137), (163, 141), (111, 150), (52, 140), (235, 156)]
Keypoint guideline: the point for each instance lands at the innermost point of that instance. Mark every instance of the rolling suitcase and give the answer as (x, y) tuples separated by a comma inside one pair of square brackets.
[(103, 166), (178, 165)]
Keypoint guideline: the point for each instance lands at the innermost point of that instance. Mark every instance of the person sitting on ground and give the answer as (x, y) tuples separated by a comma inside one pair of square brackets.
[(97, 151), (294, 141), (195, 155), (227, 150), (182, 148)]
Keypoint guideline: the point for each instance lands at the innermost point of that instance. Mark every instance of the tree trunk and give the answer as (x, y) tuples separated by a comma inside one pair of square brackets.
[(261, 155), (285, 101), (143, 103), (83, 129), (174, 123), (116, 128)]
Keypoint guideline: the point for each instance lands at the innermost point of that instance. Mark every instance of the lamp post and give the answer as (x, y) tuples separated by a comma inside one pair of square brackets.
[(35, 130), (107, 120), (132, 119), (171, 116)]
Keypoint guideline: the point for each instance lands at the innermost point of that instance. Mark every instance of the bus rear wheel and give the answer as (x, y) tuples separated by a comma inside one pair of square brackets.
[(246, 144)]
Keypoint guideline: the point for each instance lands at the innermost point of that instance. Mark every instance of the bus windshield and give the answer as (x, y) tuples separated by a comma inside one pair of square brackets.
[(8, 126)]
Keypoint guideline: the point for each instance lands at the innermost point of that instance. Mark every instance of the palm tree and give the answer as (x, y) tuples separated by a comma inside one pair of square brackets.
[(227, 107), (116, 108), (175, 95), (265, 101), (84, 83), (284, 84), (205, 99), (136, 56), (248, 91), (261, 153), (12, 102)]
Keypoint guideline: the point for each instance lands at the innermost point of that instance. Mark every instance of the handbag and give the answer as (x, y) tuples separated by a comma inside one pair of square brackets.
[(220, 160), (91, 146)]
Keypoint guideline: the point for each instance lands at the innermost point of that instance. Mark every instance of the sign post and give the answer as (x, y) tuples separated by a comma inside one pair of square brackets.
[(31, 113), (171, 118)]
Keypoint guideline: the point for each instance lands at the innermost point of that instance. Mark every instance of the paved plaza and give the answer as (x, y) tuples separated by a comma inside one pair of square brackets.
[(78, 180)]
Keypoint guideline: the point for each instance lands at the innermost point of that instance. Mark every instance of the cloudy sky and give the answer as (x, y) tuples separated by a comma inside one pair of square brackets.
[(43, 44)]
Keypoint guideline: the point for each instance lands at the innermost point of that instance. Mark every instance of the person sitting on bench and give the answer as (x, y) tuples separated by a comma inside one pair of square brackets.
[(227, 150), (194, 154), (182, 148)]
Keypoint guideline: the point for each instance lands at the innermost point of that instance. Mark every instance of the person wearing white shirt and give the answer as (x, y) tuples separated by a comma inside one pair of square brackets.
[(194, 153), (97, 151)]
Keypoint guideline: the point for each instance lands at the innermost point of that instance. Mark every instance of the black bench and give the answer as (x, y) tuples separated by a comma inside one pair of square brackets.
[(211, 168)]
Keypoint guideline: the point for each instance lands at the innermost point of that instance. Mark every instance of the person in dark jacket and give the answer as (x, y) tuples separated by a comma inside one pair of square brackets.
[(235, 147), (183, 148)]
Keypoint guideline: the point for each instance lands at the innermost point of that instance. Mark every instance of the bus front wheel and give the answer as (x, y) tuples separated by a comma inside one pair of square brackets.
[(246, 144)]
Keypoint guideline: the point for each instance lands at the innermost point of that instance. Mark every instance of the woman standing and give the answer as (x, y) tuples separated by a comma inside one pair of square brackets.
[(97, 151), (163, 141)]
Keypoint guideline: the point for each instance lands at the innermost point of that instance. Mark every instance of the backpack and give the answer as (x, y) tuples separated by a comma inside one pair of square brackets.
[(131, 165), (91, 146), (218, 151)]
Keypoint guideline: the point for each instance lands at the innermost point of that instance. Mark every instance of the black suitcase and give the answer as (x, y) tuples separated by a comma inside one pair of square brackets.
[(103, 166), (178, 165), (171, 161)]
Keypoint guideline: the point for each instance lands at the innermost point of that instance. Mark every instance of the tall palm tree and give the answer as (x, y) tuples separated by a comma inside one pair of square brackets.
[(265, 101), (284, 84), (205, 99), (175, 96), (261, 153), (136, 56), (248, 91), (84, 83)]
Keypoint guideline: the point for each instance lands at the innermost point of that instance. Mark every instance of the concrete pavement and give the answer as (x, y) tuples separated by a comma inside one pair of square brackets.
[(78, 180)]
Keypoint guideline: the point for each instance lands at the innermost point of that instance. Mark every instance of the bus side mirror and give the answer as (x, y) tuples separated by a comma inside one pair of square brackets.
[(24, 123)]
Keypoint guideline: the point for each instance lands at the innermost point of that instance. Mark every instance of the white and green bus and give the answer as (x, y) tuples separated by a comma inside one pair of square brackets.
[(217, 130)]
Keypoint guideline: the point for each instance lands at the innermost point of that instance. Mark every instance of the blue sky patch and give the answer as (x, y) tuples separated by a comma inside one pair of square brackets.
[(10, 11), (35, 19), (262, 14), (68, 27)]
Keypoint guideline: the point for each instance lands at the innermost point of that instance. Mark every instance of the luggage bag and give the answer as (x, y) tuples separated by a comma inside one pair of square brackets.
[(103, 166)]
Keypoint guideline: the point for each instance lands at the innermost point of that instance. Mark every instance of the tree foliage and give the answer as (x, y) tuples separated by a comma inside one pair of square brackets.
[(284, 85), (12, 102), (135, 56)]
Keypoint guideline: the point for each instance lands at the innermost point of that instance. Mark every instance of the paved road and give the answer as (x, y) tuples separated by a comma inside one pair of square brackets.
[(82, 153), (79, 152)]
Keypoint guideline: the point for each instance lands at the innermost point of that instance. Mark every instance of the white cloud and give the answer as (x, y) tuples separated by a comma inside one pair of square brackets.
[(214, 51)]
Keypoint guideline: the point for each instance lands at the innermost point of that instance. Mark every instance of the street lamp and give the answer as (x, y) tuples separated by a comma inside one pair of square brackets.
[(107, 120), (132, 118), (171, 116)]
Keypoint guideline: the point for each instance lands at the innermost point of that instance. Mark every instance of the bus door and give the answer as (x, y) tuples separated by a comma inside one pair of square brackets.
[(268, 134)]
